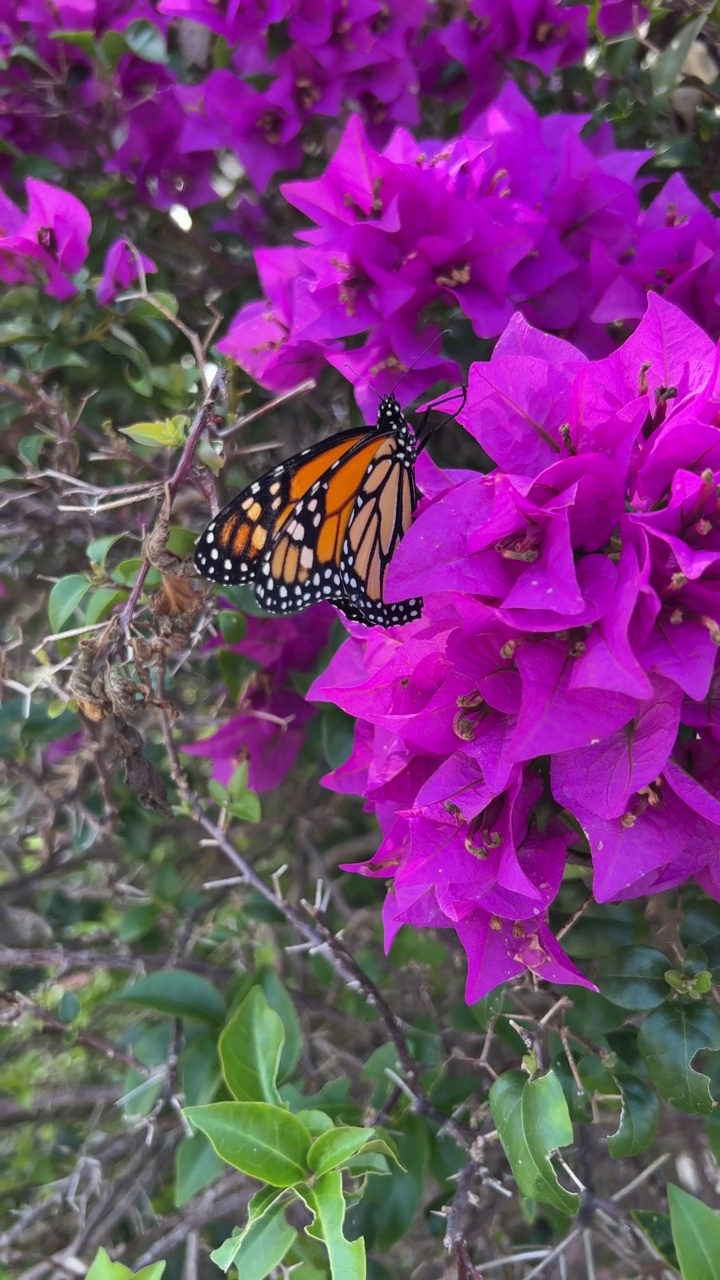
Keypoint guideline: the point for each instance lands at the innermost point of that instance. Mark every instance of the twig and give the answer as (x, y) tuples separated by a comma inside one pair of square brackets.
[(56, 1026), (308, 385), (199, 424)]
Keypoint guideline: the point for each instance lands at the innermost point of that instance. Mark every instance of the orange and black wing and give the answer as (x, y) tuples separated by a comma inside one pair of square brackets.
[(323, 526), (236, 542), (381, 516)]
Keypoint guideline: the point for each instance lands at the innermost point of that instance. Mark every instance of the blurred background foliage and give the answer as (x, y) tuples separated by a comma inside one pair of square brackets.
[(128, 935)]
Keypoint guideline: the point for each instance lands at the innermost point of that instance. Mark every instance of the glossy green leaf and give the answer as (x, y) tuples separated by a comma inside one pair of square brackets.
[(326, 1201), (668, 1040), (261, 1246), (634, 977), (250, 1048), (696, 1235), (263, 1141), (176, 992), (197, 1165), (533, 1121), (591, 1014), (333, 1150), (65, 598), (639, 1118)]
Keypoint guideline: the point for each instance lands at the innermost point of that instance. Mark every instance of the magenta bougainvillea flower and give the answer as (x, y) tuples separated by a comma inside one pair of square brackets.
[(564, 674), (268, 729), (120, 271), (49, 242), (160, 120), (516, 213)]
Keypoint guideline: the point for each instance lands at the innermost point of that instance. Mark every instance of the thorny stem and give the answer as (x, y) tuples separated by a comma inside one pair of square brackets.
[(199, 425)]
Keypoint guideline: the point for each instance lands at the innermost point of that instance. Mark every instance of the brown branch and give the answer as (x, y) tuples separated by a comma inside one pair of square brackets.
[(55, 1026), (46, 1105), (226, 1197)]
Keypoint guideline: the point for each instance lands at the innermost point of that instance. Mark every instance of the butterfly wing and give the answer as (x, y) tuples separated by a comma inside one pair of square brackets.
[(305, 561), (381, 516), (235, 543), (323, 526)]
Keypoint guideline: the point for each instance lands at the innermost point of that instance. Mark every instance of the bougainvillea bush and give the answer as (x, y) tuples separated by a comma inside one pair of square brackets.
[(335, 951)]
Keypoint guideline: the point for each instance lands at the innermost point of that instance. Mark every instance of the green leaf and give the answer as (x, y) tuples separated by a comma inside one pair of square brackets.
[(333, 1150), (55, 357), (137, 920), (591, 1014), (665, 71), (145, 41), (101, 604), (197, 1164), (262, 1245), (84, 40), (200, 1070), (65, 598), (69, 1007), (279, 1000), (263, 1141), (316, 1122), (178, 993), (97, 550), (233, 626), (243, 804), (701, 927), (533, 1121), (103, 1268), (668, 1040), (656, 1226), (639, 1118), (337, 730), (388, 1208), (696, 1235), (325, 1200), (634, 977), (250, 1048), (166, 433)]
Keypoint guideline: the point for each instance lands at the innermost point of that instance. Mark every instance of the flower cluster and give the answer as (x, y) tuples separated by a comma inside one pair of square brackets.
[(517, 212), (288, 67), (50, 244), (564, 674), (268, 729)]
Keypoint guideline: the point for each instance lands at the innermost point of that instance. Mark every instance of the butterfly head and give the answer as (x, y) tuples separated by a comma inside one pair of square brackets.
[(390, 415)]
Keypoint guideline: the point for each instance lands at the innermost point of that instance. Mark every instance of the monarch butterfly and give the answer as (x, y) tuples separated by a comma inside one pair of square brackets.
[(324, 525)]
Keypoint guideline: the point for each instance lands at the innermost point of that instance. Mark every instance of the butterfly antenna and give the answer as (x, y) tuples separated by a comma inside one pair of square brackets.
[(419, 357), (423, 436), (360, 378)]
